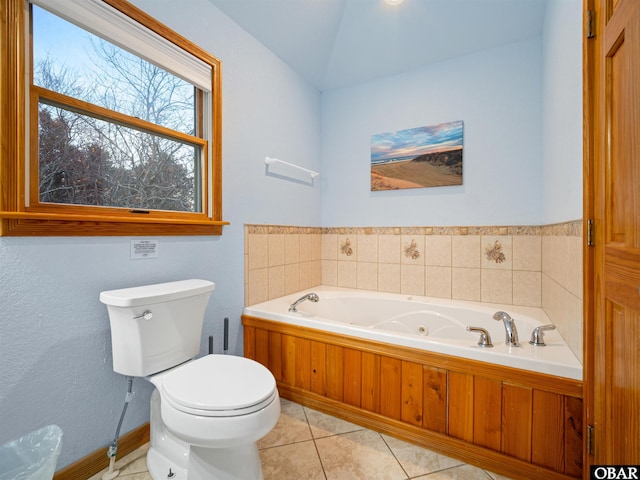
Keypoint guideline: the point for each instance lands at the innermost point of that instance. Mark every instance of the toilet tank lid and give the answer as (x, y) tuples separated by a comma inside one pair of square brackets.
[(157, 293)]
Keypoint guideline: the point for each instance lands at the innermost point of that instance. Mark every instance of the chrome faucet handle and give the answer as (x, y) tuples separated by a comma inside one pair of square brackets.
[(537, 336), (147, 315), (485, 338)]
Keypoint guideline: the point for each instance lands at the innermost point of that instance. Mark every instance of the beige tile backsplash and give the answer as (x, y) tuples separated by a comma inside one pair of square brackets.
[(530, 266), (561, 286), (281, 260)]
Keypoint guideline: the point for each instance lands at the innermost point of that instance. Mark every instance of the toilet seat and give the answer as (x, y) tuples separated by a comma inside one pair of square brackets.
[(219, 386)]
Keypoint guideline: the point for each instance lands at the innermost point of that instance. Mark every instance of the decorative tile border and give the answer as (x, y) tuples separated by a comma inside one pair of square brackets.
[(282, 229), (566, 229), (572, 229)]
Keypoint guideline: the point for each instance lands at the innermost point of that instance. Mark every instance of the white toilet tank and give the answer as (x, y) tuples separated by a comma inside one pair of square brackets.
[(156, 327)]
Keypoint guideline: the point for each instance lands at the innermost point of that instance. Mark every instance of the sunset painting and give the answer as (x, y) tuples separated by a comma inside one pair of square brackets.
[(417, 157)]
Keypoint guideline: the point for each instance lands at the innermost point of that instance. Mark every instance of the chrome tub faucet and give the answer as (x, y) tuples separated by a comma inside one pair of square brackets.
[(511, 332), (309, 296), (537, 336), (485, 338)]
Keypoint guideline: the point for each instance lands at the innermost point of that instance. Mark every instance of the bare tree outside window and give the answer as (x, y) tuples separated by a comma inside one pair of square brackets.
[(88, 156)]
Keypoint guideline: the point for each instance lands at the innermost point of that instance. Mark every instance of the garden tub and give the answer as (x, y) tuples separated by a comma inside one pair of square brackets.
[(407, 366), (425, 323)]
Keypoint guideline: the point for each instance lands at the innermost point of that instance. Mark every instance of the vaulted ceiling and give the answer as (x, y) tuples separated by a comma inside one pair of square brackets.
[(334, 43)]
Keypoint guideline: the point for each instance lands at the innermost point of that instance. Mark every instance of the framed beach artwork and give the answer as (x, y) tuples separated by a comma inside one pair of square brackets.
[(417, 158)]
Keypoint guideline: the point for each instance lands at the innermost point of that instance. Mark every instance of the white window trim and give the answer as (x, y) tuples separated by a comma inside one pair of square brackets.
[(105, 21)]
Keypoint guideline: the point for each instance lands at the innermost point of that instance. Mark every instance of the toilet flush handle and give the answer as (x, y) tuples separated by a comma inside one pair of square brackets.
[(147, 315)]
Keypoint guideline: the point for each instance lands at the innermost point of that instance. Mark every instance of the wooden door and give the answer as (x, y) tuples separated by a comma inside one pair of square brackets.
[(612, 181)]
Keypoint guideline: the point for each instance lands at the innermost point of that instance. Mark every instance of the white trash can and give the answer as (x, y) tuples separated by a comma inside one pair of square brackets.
[(33, 456)]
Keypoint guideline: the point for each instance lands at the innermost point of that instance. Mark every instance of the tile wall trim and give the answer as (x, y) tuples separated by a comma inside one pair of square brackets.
[(571, 228), (566, 229), (284, 229)]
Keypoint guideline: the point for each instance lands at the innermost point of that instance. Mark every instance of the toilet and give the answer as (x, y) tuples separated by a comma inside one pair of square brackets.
[(207, 413)]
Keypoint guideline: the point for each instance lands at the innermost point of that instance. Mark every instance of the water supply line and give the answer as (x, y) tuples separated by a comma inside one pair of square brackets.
[(113, 448), (225, 338)]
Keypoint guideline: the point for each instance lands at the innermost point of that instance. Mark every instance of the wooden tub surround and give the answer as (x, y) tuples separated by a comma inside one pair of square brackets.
[(518, 423)]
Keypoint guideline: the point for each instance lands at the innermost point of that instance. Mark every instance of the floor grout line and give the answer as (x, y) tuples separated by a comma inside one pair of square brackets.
[(324, 472), (324, 427), (315, 445), (394, 456), (295, 442)]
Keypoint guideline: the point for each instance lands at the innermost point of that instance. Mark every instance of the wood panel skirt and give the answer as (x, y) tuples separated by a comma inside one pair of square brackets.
[(522, 424)]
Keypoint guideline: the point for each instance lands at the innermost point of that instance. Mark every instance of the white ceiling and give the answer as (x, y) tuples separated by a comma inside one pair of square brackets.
[(334, 43)]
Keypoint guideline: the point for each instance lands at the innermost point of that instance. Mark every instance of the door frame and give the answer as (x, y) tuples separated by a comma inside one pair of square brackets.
[(590, 72)]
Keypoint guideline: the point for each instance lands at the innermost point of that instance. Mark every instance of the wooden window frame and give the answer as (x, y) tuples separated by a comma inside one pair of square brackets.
[(19, 219)]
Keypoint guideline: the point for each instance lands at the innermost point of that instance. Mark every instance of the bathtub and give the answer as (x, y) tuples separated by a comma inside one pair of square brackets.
[(425, 323)]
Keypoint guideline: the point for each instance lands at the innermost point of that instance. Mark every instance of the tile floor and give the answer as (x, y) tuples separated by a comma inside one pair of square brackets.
[(309, 445)]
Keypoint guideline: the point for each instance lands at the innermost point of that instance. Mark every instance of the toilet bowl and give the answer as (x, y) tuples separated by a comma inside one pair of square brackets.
[(207, 413), (217, 407)]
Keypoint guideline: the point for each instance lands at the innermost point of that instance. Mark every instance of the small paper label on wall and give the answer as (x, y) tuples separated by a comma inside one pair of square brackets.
[(144, 249)]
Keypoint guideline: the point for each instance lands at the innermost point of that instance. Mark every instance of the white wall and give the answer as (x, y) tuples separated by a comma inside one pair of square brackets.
[(498, 95), (55, 351), (562, 112)]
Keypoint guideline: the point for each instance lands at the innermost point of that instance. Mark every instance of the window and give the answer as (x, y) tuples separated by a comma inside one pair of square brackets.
[(102, 138)]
